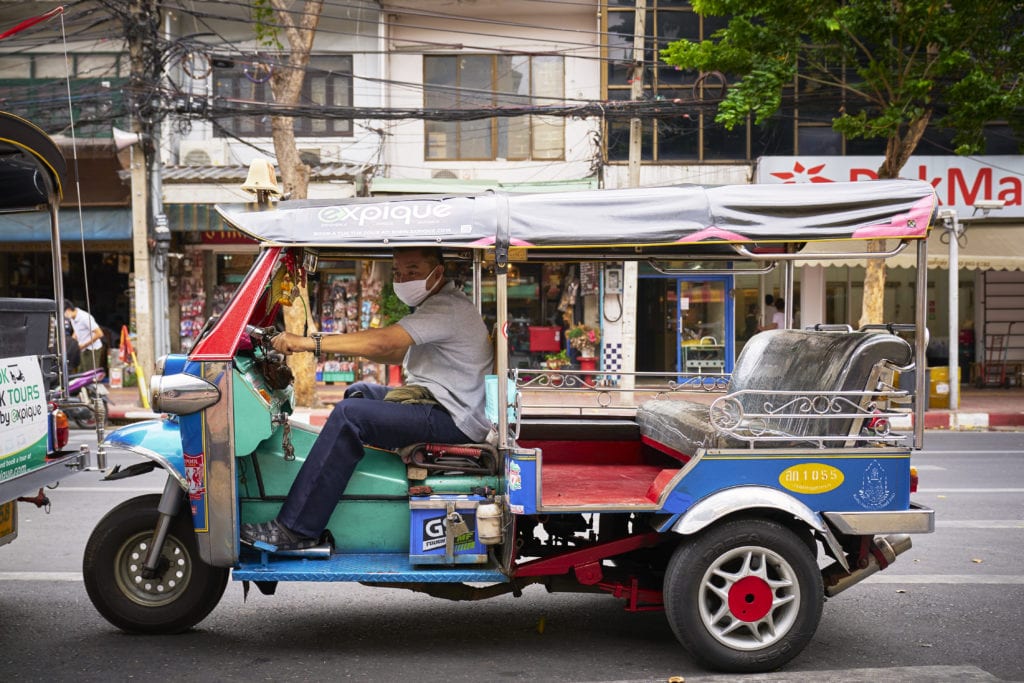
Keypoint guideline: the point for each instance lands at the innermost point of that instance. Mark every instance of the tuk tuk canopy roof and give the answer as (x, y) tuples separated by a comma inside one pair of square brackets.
[(32, 168), (632, 218)]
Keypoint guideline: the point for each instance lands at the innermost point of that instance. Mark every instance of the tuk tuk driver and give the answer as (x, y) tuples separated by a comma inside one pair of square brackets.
[(444, 347)]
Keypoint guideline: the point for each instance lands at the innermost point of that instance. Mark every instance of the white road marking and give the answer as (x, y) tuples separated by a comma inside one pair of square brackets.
[(980, 523), (968, 452), (40, 576), (962, 579), (881, 577), (970, 491)]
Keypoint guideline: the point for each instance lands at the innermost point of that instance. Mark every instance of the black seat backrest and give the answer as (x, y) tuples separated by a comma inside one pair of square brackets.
[(25, 326), (810, 361)]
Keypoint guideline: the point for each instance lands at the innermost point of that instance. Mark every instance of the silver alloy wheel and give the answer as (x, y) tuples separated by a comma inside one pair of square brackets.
[(749, 598), (161, 590)]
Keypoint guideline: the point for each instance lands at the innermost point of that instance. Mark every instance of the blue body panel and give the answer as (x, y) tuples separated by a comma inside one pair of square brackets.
[(158, 440), (877, 481)]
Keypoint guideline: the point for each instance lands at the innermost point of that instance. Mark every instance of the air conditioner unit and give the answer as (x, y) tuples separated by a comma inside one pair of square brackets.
[(202, 153), (324, 154)]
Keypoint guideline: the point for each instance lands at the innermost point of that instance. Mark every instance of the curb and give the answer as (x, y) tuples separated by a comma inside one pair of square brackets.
[(959, 421), (115, 412)]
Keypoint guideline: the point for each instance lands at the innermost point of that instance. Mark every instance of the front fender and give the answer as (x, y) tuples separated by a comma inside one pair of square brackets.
[(156, 440)]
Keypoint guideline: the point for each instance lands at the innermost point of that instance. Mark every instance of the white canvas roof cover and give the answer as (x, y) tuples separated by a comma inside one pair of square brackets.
[(635, 218)]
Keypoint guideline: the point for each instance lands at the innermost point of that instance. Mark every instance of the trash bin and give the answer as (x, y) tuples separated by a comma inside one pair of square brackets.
[(907, 381), (938, 388)]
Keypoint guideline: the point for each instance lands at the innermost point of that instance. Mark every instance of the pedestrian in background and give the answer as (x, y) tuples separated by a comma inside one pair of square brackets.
[(768, 311), (88, 334)]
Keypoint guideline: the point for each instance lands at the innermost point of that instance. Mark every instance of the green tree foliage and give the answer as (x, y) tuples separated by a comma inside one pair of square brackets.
[(889, 67)]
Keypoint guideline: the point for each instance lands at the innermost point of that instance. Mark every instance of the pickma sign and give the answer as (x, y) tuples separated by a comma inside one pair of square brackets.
[(23, 416), (959, 182)]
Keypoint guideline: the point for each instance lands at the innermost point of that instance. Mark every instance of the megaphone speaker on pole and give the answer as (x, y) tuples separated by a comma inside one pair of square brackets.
[(123, 139)]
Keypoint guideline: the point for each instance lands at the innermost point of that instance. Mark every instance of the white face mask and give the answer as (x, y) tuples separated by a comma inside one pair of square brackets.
[(413, 292)]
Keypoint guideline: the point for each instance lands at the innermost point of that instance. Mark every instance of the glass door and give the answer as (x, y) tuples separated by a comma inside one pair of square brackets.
[(705, 324), (685, 324)]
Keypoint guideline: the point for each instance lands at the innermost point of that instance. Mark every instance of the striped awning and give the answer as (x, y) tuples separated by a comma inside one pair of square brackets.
[(988, 247)]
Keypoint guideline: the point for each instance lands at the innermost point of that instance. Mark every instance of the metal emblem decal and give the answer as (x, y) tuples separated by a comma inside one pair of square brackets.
[(874, 492)]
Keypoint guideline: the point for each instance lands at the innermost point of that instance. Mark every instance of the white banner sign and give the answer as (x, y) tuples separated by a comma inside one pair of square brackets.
[(959, 182)]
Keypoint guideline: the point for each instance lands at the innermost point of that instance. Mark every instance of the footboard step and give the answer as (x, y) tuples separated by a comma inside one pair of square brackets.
[(373, 568)]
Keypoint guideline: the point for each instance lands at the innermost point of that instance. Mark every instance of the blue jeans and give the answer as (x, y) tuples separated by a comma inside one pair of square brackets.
[(363, 417)]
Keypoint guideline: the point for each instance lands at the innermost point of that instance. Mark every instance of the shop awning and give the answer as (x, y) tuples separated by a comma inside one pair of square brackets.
[(991, 247), (96, 224)]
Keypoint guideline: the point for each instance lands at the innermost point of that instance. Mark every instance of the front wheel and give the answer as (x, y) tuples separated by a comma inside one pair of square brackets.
[(744, 596), (182, 594)]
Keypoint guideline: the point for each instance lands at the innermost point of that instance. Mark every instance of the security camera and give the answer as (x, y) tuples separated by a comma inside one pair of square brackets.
[(989, 204)]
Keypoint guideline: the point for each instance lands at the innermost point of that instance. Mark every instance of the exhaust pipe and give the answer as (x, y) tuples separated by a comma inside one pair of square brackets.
[(837, 580)]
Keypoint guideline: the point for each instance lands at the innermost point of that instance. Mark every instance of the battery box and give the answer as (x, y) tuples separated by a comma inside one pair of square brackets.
[(443, 530)]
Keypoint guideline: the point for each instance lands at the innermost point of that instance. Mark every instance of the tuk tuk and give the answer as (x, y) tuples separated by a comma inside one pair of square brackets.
[(737, 503), (34, 400)]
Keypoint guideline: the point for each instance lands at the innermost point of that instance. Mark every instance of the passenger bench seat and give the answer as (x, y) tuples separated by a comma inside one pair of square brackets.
[(780, 360)]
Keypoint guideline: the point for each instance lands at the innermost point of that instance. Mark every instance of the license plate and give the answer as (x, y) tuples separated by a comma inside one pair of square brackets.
[(8, 522)]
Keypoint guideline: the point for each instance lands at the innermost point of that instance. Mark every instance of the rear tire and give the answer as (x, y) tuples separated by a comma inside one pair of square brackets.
[(744, 596), (185, 591)]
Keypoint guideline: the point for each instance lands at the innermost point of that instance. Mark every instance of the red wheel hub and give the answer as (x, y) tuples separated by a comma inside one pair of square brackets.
[(750, 598)]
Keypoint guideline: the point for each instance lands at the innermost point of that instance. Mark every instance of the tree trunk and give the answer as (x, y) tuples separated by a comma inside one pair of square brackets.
[(286, 85), (897, 152)]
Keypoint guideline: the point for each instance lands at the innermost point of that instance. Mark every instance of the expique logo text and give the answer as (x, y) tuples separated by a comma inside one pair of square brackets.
[(404, 213)]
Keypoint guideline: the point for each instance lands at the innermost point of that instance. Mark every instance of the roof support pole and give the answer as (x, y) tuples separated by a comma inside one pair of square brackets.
[(951, 221)]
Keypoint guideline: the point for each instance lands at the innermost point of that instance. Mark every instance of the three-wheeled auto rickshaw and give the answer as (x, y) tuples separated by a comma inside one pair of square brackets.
[(737, 503), (34, 400)]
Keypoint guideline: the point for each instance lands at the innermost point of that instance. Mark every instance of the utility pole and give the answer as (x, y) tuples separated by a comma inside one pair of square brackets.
[(630, 269), (636, 91), (150, 235), (139, 13)]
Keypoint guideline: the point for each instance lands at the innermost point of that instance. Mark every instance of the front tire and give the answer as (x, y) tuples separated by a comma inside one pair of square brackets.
[(185, 591), (744, 596)]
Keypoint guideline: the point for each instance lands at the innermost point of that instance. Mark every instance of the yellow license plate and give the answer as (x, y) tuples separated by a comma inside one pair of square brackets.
[(8, 522)]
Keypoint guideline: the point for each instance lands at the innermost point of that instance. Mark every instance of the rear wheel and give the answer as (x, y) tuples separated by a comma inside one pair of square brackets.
[(744, 596), (183, 592)]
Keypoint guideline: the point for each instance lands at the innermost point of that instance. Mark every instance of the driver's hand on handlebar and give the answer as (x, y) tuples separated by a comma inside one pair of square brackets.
[(288, 343)]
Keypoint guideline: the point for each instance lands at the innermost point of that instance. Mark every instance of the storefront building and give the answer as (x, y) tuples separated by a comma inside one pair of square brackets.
[(95, 240)]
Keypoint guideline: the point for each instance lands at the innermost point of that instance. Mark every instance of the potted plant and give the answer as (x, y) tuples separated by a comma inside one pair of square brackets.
[(557, 361), (585, 339)]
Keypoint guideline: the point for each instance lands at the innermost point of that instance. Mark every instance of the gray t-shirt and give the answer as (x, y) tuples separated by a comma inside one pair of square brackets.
[(451, 356)]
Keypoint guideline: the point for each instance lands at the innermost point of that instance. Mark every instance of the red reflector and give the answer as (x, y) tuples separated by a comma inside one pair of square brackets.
[(61, 432), (913, 480)]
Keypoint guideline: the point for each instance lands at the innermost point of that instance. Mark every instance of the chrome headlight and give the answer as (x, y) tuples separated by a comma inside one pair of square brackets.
[(182, 394)]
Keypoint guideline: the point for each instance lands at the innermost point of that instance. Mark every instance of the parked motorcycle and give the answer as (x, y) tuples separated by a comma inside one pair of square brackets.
[(90, 398)]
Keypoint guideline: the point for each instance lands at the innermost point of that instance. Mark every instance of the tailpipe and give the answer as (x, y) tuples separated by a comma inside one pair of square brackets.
[(882, 553)]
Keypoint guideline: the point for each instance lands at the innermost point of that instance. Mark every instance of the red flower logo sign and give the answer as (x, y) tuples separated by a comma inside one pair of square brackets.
[(801, 174)]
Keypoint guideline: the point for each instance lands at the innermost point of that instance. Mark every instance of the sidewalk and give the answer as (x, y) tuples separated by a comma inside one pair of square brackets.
[(980, 409)]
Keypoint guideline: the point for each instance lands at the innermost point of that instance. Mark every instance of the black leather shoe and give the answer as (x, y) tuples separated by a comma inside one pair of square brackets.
[(276, 534)]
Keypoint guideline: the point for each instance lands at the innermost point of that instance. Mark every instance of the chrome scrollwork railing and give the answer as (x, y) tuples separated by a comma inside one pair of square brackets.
[(582, 389), (812, 417)]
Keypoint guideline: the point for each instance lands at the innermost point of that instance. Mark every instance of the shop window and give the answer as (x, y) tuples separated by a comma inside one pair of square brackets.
[(818, 140), (476, 81), (97, 79), (1000, 139), (328, 83)]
